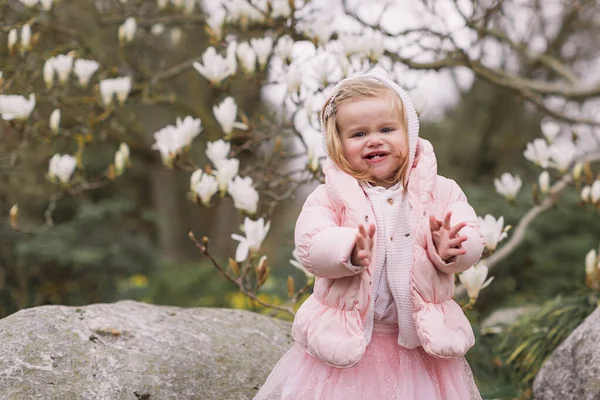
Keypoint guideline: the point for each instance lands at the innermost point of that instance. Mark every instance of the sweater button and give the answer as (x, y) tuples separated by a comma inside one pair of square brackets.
[(391, 238), (390, 201)]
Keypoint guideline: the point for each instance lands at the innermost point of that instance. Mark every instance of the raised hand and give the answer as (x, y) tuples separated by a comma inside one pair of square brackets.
[(363, 247), (445, 237)]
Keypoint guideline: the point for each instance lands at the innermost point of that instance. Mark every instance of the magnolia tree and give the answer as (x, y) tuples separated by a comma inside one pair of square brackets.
[(298, 50)]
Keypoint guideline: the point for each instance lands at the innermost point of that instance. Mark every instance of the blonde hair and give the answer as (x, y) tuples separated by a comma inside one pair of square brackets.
[(352, 89)]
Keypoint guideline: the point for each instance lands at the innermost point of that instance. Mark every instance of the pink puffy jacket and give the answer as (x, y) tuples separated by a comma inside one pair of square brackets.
[(335, 323)]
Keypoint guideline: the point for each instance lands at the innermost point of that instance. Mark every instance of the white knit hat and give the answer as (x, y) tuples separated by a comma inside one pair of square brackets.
[(412, 119)]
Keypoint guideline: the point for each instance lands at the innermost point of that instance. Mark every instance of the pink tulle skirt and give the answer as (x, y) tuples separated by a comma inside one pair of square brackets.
[(387, 371)]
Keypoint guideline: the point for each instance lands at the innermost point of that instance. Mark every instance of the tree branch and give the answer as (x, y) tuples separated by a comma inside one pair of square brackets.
[(519, 232)]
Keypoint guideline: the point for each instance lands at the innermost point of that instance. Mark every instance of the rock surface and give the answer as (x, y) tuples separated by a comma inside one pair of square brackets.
[(503, 318), (572, 372), (130, 350)]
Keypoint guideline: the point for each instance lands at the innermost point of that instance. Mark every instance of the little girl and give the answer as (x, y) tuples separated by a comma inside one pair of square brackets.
[(383, 236)]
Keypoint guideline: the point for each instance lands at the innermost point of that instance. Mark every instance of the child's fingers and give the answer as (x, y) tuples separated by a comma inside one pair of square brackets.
[(456, 252), (446, 222), (360, 241), (456, 242), (433, 223), (362, 230), (371, 230), (456, 228)]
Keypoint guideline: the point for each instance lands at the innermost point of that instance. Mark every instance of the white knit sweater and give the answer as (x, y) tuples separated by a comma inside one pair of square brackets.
[(391, 208)]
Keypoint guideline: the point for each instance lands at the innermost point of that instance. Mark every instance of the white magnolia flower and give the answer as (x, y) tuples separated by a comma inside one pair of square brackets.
[(195, 179), (296, 263), (168, 142), (586, 192), (84, 69), (176, 34), (46, 4), (162, 4), (55, 121), (217, 151), (119, 163), (119, 86), (49, 72), (214, 67), (493, 231), (244, 195), (314, 148), (474, 281), (544, 182), (247, 57), (29, 3), (231, 58), (284, 48), (226, 171), (293, 78), (188, 6), (240, 11), (577, 170), (62, 167), (157, 29), (124, 148), (255, 231), (215, 22), (550, 130), (188, 128), (591, 262), (508, 185), (127, 30), (324, 68), (321, 30), (352, 44), (562, 155), (373, 45), (280, 8), (595, 192), (122, 87), (206, 188), (26, 37), (226, 113), (13, 36), (63, 64), (262, 47), (16, 107), (538, 152), (121, 158)]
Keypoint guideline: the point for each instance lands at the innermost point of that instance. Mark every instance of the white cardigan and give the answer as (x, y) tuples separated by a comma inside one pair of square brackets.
[(391, 208)]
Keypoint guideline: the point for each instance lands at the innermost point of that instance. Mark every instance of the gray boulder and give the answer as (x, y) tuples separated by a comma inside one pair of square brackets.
[(572, 372), (134, 351)]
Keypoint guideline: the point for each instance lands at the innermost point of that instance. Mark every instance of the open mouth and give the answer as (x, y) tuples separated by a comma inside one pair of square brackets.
[(376, 155)]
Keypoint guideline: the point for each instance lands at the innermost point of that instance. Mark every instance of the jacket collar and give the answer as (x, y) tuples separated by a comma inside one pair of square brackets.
[(421, 181)]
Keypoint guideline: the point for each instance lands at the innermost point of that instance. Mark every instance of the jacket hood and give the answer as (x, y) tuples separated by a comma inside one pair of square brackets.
[(410, 113)]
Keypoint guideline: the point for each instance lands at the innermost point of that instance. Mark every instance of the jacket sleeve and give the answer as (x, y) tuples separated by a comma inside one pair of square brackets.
[(461, 212), (324, 247)]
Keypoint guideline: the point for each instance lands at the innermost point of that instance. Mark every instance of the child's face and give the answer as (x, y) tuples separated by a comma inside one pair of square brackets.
[(372, 134)]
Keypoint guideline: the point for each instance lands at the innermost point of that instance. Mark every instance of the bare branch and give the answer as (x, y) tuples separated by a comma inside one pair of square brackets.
[(519, 233)]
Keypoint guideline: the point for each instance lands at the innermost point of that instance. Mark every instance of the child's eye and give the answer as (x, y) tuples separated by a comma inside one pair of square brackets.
[(386, 130), (359, 134)]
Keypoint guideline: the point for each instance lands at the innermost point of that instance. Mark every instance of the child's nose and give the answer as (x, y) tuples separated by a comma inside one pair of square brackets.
[(374, 140)]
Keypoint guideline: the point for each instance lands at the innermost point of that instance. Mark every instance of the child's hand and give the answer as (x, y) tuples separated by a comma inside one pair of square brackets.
[(445, 238), (363, 247)]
